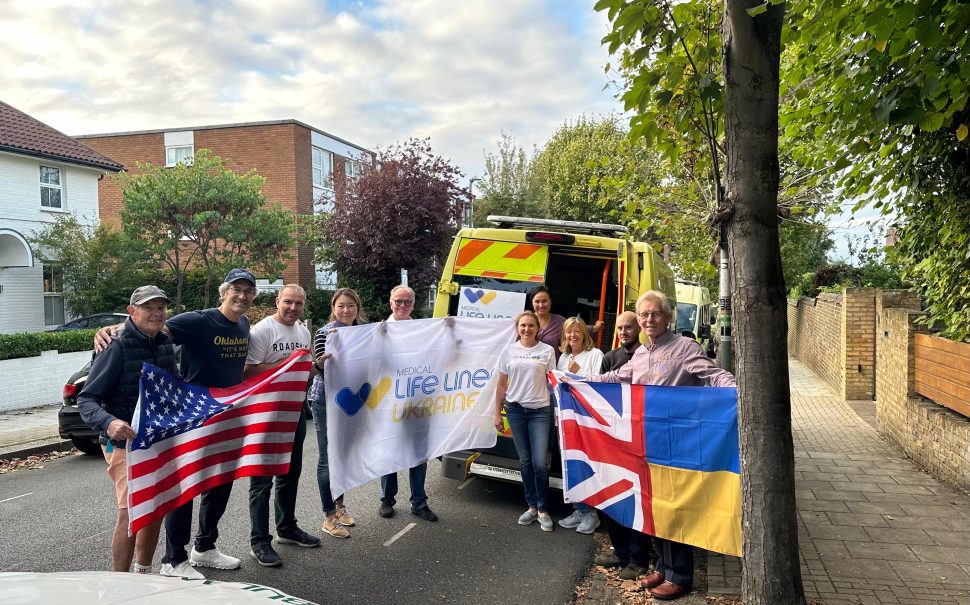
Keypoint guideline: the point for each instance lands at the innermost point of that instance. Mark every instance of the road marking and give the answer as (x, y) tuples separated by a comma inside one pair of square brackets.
[(466, 482), (394, 538), (15, 497)]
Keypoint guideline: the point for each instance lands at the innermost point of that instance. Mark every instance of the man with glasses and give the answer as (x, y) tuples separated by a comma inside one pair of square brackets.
[(402, 304), (215, 344), (667, 359)]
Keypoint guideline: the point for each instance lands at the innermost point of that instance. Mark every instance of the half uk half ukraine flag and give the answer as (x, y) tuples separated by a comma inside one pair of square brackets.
[(661, 460)]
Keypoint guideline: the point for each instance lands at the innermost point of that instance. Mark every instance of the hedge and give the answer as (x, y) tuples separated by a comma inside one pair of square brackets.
[(26, 344)]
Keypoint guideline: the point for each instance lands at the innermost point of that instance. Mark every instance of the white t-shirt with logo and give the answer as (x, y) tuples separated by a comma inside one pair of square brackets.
[(271, 341), (526, 369)]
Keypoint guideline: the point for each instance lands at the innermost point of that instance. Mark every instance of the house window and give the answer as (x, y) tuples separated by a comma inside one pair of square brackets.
[(53, 295), (322, 163), (352, 170), (178, 154), (51, 188)]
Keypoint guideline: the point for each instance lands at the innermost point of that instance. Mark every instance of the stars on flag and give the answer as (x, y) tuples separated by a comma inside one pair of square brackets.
[(170, 407)]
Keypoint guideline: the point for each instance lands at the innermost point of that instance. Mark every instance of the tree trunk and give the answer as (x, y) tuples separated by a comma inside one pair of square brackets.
[(752, 46)]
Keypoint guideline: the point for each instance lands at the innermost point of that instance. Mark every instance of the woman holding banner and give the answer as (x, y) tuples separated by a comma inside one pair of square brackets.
[(524, 392), (579, 356), (345, 310)]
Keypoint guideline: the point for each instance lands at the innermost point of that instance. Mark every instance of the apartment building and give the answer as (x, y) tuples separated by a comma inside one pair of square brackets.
[(304, 167)]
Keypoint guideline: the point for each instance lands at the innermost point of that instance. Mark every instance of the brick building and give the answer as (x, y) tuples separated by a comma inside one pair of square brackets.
[(301, 164)]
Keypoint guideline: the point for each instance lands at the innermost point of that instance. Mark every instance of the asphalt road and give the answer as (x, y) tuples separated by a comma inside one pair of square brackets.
[(59, 518)]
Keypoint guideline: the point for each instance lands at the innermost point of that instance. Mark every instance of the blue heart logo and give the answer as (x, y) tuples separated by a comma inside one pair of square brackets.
[(351, 402), (474, 296)]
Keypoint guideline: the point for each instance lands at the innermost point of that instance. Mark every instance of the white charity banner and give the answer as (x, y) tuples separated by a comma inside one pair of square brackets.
[(400, 393), (489, 304)]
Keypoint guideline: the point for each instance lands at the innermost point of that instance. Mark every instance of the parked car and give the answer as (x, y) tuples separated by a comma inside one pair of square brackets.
[(69, 423), (98, 320)]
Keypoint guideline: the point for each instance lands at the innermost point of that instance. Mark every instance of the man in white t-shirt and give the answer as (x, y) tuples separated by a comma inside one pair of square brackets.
[(402, 304), (272, 341)]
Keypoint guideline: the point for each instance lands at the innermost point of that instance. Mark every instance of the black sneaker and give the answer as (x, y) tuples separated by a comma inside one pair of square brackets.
[(633, 572), (299, 537), (265, 555), (386, 510), (424, 512)]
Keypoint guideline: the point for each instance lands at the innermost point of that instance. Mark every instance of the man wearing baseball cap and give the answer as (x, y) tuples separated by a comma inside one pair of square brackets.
[(215, 344), (107, 404)]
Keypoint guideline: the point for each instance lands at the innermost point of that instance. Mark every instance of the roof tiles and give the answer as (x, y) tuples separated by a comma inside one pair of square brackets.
[(20, 133)]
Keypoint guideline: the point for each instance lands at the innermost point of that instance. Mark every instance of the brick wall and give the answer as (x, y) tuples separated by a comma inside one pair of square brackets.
[(31, 382), (280, 152), (935, 437), (858, 344), (815, 334)]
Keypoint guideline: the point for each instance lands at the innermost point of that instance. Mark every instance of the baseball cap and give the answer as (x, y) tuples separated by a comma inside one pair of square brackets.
[(146, 293), (237, 274)]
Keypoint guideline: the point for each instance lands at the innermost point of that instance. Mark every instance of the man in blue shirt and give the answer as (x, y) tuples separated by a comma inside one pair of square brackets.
[(215, 344)]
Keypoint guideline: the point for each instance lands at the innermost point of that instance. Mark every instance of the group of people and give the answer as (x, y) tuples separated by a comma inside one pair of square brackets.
[(664, 567), (219, 350)]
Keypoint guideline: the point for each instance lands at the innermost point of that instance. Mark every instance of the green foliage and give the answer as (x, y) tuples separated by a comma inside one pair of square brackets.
[(97, 277), (317, 310), (804, 249), (508, 187), (203, 215), (877, 94), (14, 346)]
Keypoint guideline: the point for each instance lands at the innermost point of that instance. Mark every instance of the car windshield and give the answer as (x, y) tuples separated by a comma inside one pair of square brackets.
[(686, 317)]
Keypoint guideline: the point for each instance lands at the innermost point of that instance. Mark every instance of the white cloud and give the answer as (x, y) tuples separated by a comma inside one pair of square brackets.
[(371, 72)]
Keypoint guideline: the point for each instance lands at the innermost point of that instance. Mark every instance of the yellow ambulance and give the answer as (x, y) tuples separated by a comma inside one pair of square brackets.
[(694, 313), (592, 270)]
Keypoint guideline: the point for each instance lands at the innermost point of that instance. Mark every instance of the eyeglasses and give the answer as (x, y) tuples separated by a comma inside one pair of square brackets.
[(243, 291), (402, 302), (650, 315)]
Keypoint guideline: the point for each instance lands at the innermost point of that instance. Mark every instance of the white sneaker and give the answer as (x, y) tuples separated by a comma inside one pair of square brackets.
[(213, 558), (590, 522), (182, 570)]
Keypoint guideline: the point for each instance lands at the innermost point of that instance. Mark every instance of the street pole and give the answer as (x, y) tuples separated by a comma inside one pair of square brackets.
[(470, 222), (725, 356)]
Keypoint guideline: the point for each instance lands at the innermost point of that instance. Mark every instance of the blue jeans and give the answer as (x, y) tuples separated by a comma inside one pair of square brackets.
[(327, 501), (530, 432), (416, 475), (286, 486)]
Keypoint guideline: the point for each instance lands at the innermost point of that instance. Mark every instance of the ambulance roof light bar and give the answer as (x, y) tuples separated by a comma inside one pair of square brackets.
[(507, 222)]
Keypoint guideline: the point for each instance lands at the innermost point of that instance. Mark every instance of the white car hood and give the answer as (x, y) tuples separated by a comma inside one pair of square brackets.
[(115, 588)]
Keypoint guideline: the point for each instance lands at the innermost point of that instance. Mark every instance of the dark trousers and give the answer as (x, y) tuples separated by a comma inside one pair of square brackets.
[(285, 502), (178, 524), (629, 544), (416, 476), (676, 561)]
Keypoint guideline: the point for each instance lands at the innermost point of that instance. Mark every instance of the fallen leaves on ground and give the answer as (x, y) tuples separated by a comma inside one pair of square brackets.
[(32, 463)]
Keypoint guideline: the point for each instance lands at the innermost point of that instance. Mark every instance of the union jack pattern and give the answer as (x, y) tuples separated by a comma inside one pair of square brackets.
[(602, 444)]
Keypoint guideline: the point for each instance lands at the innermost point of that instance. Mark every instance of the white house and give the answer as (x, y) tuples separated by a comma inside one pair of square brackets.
[(43, 173)]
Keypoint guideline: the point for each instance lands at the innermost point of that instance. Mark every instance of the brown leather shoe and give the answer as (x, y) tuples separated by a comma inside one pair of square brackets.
[(668, 591), (652, 580)]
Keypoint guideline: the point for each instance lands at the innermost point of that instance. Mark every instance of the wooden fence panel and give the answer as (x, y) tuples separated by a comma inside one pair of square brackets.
[(943, 372)]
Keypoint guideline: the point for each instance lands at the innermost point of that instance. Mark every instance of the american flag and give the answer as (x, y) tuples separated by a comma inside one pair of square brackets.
[(603, 452), (190, 438)]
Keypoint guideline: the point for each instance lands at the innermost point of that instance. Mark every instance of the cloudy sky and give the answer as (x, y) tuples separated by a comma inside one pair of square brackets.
[(373, 71)]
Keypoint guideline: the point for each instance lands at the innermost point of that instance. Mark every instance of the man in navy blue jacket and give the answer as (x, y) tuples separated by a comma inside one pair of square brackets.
[(107, 403)]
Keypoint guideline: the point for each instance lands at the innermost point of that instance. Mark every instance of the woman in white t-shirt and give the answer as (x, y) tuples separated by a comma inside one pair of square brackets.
[(579, 356), (524, 392)]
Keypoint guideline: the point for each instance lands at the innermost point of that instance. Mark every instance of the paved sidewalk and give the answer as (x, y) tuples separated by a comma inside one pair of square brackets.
[(30, 431), (873, 527)]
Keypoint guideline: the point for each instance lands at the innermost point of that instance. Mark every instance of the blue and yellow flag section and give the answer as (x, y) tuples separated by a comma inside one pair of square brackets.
[(662, 460)]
